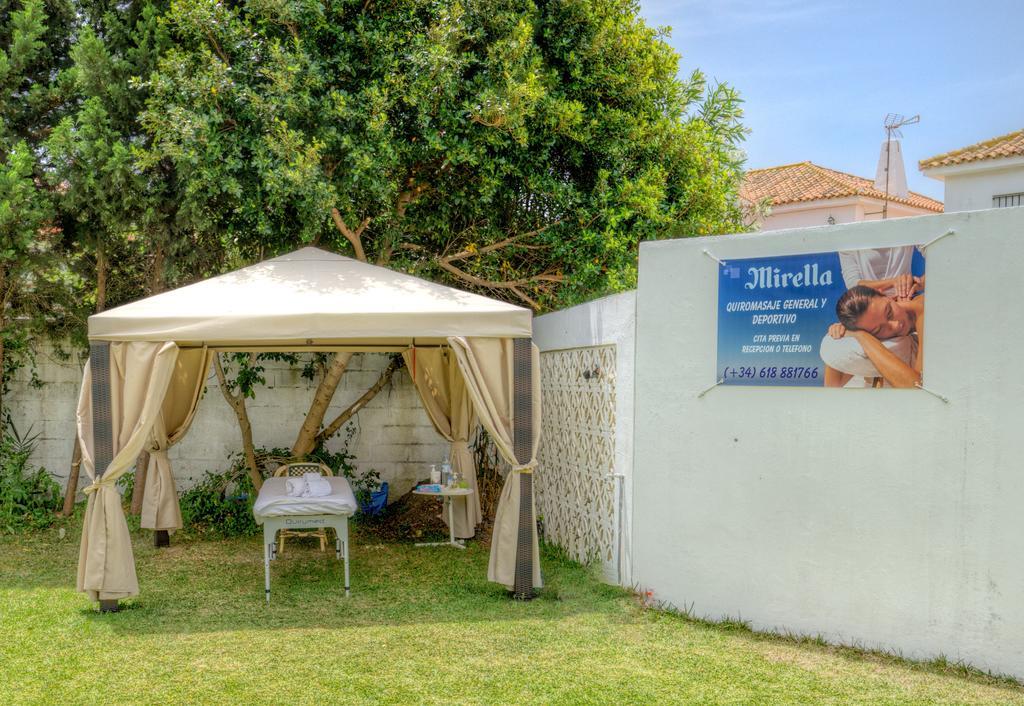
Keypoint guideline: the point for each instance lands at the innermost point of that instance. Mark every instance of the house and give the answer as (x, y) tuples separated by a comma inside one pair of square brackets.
[(806, 194), (988, 174)]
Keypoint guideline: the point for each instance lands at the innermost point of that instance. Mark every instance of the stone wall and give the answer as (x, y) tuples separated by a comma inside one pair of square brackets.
[(391, 434)]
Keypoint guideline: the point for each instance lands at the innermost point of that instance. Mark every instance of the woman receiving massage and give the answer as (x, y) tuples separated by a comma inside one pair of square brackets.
[(870, 317)]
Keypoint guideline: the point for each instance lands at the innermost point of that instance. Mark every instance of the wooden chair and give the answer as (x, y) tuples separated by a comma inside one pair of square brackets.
[(296, 470)]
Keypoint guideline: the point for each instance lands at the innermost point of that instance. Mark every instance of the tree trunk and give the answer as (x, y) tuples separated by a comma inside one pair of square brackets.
[(237, 403), (72, 487), (3, 380), (101, 278), (332, 428), (307, 438), (158, 278), (139, 488), (250, 452)]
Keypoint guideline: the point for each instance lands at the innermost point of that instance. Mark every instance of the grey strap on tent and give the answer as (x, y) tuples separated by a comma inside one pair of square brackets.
[(102, 426), (522, 367), (102, 431)]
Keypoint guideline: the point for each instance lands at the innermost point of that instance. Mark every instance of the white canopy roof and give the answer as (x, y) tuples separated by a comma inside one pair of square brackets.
[(311, 297)]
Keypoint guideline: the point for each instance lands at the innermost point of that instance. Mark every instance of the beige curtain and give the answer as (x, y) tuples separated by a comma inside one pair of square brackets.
[(487, 368), (443, 391), (160, 509), (139, 375)]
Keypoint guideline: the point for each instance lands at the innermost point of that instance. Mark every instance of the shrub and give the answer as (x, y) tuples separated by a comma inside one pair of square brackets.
[(28, 496), (221, 504)]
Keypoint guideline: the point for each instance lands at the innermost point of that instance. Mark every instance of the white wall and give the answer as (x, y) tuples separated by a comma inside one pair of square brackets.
[(847, 210), (973, 190), (878, 517), (810, 214), (393, 433), (607, 321)]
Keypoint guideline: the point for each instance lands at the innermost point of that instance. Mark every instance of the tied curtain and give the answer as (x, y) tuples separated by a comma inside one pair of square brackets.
[(487, 368), (140, 373), (160, 508), (436, 375)]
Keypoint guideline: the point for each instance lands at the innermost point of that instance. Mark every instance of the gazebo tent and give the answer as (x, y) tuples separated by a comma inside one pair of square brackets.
[(148, 361)]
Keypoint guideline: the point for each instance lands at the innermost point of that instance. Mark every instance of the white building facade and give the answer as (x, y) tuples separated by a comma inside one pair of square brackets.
[(988, 174)]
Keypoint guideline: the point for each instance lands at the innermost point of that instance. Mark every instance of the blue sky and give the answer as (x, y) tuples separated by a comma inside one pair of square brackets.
[(818, 78)]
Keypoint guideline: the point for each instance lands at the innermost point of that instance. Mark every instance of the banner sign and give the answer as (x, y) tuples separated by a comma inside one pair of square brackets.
[(775, 314)]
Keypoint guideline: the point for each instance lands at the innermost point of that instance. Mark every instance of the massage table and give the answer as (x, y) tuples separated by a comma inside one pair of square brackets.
[(276, 510)]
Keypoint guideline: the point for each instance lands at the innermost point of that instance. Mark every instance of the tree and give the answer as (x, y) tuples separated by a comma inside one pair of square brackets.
[(33, 49), (522, 149), (23, 213), (118, 203), (118, 208)]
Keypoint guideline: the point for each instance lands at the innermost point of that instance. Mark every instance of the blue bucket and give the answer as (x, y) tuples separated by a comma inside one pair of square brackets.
[(378, 501)]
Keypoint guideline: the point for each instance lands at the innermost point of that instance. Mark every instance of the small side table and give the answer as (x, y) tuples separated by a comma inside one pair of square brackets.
[(447, 494)]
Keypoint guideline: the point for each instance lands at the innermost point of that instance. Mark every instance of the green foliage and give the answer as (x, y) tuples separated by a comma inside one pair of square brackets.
[(29, 497), (121, 236), (19, 353), (126, 485), (24, 209), (34, 40), (364, 485), (221, 504), (244, 371), (519, 148)]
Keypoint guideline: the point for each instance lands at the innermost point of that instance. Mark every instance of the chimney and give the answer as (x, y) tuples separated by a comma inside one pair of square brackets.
[(897, 175)]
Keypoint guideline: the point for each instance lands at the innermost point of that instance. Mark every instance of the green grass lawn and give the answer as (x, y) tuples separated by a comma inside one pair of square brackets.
[(422, 626)]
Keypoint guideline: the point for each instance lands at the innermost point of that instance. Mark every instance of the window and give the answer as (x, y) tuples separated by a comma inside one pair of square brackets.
[(1005, 200)]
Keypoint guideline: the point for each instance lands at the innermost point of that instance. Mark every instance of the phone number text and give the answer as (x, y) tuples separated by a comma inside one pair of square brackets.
[(786, 372)]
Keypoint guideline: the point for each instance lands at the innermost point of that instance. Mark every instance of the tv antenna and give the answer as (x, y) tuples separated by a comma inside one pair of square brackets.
[(893, 123)]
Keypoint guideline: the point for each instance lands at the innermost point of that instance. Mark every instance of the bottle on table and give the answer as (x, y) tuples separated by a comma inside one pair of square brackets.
[(446, 472), (435, 475)]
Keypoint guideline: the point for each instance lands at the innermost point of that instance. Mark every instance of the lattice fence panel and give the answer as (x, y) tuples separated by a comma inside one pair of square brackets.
[(577, 452)]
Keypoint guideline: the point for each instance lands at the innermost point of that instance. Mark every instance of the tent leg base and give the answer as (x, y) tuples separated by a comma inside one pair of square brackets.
[(523, 596), (109, 606), (161, 538)]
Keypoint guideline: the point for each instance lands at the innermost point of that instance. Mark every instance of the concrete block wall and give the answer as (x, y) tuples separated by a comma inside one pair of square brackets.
[(48, 412), (392, 434)]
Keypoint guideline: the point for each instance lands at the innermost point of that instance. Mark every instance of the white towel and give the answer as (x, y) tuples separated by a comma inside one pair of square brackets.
[(317, 487), (296, 487)]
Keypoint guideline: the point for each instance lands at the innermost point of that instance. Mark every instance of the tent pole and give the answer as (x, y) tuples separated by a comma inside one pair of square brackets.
[(522, 366), (102, 426)]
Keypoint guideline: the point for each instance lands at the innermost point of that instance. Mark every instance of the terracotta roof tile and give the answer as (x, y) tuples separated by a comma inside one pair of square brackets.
[(805, 181), (1011, 145)]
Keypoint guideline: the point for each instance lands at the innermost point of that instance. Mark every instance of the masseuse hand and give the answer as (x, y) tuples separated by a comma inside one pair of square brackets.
[(836, 330), (904, 286)]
